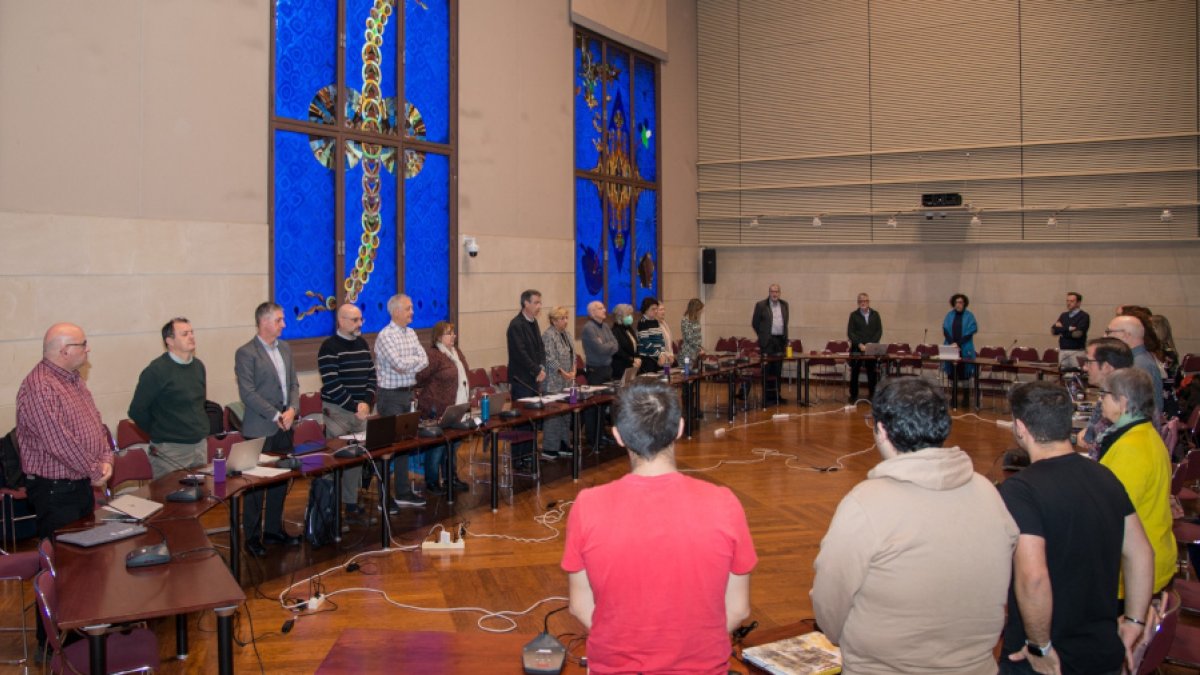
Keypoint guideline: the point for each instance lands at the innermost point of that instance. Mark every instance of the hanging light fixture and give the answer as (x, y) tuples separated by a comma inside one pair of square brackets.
[(891, 222), (1166, 216), (817, 221), (975, 221)]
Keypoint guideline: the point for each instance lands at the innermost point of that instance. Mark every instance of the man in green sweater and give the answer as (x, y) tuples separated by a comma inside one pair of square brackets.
[(168, 403)]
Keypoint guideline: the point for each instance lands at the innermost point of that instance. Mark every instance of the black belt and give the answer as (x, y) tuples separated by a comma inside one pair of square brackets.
[(57, 481), (400, 389)]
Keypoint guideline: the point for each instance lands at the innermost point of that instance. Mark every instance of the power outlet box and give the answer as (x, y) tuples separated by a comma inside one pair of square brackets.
[(315, 602), (444, 542)]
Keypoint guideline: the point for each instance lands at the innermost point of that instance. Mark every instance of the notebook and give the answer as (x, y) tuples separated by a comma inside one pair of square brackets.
[(101, 534), (875, 349), (134, 507), (948, 352), (242, 456)]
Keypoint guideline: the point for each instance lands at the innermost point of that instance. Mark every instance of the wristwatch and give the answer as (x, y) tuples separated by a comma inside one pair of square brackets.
[(1039, 650)]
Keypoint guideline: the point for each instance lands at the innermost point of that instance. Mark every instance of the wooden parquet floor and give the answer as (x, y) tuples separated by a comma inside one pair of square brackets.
[(774, 467)]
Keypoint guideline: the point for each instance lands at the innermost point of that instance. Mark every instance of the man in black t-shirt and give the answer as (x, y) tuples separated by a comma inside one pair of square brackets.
[(1078, 533)]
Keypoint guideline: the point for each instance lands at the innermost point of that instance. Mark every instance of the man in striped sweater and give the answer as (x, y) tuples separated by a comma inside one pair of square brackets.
[(347, 390)]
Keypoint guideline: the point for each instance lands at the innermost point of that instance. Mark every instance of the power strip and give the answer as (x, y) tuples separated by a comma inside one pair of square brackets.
[(780, 417), (444, 543), (315, 602)]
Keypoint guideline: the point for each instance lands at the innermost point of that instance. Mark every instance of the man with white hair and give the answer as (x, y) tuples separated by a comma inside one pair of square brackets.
[(1129, 329), (599, 345)]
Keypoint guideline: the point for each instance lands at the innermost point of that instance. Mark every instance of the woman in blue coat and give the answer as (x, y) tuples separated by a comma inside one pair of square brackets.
[(959, 328)]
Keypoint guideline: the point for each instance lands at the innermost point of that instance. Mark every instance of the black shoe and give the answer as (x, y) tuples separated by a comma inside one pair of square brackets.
[(549, 455), (256, 549), (281, 538), (460, 486), (410, 501), (437, 489)]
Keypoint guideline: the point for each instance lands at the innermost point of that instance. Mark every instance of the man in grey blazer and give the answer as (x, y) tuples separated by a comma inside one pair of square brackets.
[(270, 392)]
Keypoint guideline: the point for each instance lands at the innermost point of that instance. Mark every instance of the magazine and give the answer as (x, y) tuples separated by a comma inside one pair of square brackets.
[(807, 654)]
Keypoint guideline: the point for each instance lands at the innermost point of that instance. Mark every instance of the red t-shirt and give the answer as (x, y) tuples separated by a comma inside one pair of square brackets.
[(658, 553)]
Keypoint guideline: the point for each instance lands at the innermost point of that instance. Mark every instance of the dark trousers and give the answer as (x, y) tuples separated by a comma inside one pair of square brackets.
[(253, 524), (397, 402), (519, 391), (592, 422), (776, 346), (56, 504), (856, 365)]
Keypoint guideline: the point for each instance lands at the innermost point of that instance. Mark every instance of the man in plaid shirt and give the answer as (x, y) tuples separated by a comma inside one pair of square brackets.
[(64, 445)]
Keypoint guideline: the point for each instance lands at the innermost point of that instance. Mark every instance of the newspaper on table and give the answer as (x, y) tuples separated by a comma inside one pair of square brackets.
[(807, 654)]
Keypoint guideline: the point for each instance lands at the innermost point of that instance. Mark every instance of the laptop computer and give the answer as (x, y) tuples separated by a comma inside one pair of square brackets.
[(406, 426), (101, 534), (456, 416), (875, 349), (948, 352), (242, 456), (134, 507), (381, 432)]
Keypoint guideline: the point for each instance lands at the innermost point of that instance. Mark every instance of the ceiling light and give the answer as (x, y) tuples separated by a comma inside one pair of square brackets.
[(891, 222), (1052, 222), (754, 221), (1166, 216), (975, 221), (817, 221)]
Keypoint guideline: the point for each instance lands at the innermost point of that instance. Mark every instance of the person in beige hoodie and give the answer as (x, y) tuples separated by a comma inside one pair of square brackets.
[(913, 573)]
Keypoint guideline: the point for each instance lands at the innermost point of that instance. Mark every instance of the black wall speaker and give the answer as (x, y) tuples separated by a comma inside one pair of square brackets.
[(708, 265)]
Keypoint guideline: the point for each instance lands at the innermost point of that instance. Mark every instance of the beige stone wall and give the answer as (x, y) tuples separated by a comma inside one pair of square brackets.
[(1016, 292), (133, 177)]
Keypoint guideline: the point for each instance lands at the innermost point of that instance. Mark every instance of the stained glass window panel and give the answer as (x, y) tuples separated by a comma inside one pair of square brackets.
[(617, 121), (644, 125), (371, 90), (370, 230), (427, 70), (589, 244), (589, 111), (304, 235), (427, 240), (646, 241), (305, 60), (620, 249)]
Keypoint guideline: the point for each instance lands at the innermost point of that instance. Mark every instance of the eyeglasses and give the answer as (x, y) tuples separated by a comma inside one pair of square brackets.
[(1083, 361), (1110, 331), (1105, 392), (77, 344), (869, 420)]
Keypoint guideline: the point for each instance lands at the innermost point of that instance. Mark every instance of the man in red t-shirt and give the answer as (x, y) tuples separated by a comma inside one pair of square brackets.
[(659, 563)]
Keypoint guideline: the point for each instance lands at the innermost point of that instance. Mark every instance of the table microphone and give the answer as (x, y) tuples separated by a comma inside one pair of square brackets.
[(532, 405), (543, 655), (190, 493)]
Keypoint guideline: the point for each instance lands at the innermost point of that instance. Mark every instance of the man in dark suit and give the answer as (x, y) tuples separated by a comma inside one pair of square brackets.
[(770, 323), (526, 359), (268, 388), (864, 328)]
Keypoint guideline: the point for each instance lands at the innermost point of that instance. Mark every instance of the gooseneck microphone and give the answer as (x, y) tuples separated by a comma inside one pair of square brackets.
[(533, 405)]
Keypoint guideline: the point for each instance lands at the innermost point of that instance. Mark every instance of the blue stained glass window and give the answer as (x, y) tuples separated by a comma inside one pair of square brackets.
[(427, 69), (304, 235), (645, 235), (589, 243), (644, 125), (381, 60), (427, 240), (616, 173), (370, 240), (589, 111), (305, 59)]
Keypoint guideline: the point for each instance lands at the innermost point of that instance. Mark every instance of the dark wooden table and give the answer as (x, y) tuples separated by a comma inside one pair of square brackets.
[(96, 590)]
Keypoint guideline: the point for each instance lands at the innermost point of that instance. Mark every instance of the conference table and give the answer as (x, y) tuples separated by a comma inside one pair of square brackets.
[(97, 591)]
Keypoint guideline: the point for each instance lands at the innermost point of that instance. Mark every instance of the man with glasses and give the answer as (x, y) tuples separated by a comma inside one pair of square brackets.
[(65, 448), (770, 324), (1104, 356), (1071, 329), (399, 356), (168, 403), (1129, 329), (865, 327)]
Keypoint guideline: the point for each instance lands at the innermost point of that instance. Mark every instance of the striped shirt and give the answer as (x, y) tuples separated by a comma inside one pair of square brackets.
[(347, 372), (59, 430), (399, 356)]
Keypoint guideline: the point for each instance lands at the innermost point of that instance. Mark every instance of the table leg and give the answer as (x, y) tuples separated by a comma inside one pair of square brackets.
[(807, 377), (495, 470), (337, 500), (732, 401), (181, 637), (385, 497), (762, 370), (225, 639), (448, 472), (97, 648), (235, 537), (577, 442), (685, 390)]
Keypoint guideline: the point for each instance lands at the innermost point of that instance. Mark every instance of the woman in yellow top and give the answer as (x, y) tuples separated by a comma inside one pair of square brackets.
[(1134, 451)]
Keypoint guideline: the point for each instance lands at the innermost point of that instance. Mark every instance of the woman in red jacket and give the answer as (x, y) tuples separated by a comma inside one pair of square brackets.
[(442, 384)]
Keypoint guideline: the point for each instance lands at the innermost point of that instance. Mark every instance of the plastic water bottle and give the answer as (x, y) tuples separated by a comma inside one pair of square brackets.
[(574, 394), (667, 372), (219, 467), (687, 366), (485, 408)]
